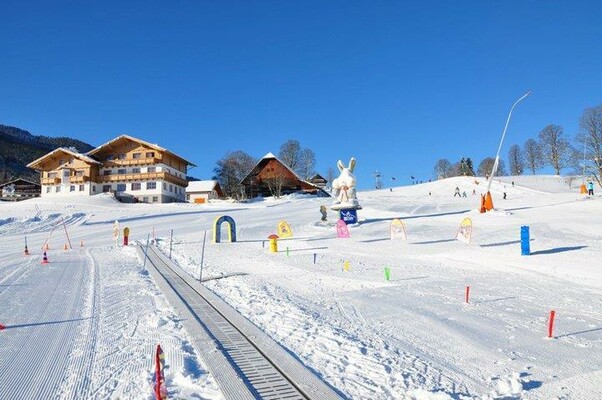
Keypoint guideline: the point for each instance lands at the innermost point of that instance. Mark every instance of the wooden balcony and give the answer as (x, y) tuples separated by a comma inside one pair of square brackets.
[(143, 176), (50, 181), (133, 161), (79, 179)]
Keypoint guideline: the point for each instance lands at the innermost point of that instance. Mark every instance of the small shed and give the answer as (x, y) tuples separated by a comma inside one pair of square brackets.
[(19, 189), (318, 180), (201, 192)]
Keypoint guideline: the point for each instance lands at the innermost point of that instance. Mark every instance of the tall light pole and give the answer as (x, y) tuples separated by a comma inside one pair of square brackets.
[(487, 202)]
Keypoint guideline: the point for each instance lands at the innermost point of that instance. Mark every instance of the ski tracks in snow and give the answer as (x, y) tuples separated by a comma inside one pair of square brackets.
[(350, 354)]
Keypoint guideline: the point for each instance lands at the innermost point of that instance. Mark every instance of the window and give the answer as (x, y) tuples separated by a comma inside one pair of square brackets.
[(106, 172), (79, 173), (145, 199), (187, 197), (150, 154), (151, 169), (72, 188), (121, 171), (94, 188), (121, 187), (58, 189), (106, 188), (48, 189), (81, 188), (164, 185), (136, 186), (170, 187), (155, 199), (151, 185), (121, 156), (135, 170), (61, 161), (110, 157), (71, 160), (52, 174), (136, 156)]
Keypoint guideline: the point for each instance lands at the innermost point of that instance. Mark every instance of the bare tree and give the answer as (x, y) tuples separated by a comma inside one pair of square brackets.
[(590, 136), (307, 163), (275, 184), (329, 177), (443, 169), (486, 166), (556, 150), (290, 154), (516, 160), (231, 170), (533, 156)]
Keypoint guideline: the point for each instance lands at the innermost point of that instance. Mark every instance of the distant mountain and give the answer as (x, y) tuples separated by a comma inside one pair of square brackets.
[(19, 147)]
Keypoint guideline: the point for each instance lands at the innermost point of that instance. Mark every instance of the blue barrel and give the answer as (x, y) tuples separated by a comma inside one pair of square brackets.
[(525, 247)]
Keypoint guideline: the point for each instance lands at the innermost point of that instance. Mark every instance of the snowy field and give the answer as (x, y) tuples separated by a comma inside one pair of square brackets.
[(85, 325)]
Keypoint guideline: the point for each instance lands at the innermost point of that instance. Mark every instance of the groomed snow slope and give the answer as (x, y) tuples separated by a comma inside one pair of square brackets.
[(412, 337)]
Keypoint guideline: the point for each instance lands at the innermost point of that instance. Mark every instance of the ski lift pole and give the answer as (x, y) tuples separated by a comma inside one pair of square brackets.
[(170, 242), (497, 156), (67, 233), (146, 251), (202, 257)]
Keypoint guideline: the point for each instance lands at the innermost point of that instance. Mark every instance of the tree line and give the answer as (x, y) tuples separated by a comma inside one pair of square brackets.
[(551, 148), (236, 165)]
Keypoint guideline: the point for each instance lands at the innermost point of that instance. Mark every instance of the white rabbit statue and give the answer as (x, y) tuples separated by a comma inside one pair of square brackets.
[(344, 187)]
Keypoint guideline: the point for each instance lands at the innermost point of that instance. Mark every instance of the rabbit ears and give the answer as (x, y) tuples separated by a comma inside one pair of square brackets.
[(351, 165)]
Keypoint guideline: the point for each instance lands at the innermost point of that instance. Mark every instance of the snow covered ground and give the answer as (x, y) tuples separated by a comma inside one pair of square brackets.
[(85, 325)]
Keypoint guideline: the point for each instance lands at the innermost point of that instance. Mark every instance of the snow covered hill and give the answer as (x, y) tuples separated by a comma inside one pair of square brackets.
[(97, 314)]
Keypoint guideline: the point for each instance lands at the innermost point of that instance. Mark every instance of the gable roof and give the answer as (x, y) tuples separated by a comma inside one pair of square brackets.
[(19, 180), (35, 163), (201, 186), (143, 142), (261, 163)]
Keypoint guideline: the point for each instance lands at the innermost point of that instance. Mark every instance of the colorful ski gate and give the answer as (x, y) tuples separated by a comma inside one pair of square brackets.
[(397, 230), (342, 230), (160, 389), (465, 230), (284, 230)]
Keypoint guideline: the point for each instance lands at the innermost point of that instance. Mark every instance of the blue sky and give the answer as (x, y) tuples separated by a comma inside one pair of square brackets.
[(396, 84)]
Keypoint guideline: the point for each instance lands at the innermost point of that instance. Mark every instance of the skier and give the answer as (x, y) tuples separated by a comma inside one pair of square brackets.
[(504, 192), (464, 193), (457, 192), (590, 188)]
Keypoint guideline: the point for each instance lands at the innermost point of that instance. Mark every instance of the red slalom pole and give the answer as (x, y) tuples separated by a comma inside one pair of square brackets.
[(551, 324), (2, 327), (467, 293), (158, 373)]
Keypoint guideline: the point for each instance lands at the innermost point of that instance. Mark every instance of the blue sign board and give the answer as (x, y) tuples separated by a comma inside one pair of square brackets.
[(348, 215)]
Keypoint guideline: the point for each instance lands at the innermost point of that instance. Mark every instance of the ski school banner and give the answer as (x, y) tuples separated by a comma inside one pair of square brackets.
[(465, 230), (284, 230), (397, 230), (342, 230)]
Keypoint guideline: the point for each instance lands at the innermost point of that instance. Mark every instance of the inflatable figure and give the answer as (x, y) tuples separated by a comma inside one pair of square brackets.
[(344, 188)]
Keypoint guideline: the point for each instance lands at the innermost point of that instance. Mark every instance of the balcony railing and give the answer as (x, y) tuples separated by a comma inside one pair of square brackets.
[(51, 181), (79, 179), (143, 176), (133, 161)]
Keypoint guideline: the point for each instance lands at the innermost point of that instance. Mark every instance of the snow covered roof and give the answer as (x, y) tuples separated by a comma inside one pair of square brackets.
[(143, 142), (35, 163), (269, 155), (201, 186)]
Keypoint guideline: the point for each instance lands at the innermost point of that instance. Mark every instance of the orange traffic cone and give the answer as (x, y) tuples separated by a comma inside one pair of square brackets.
[(488, 202), (65, 246), (45, 259)]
